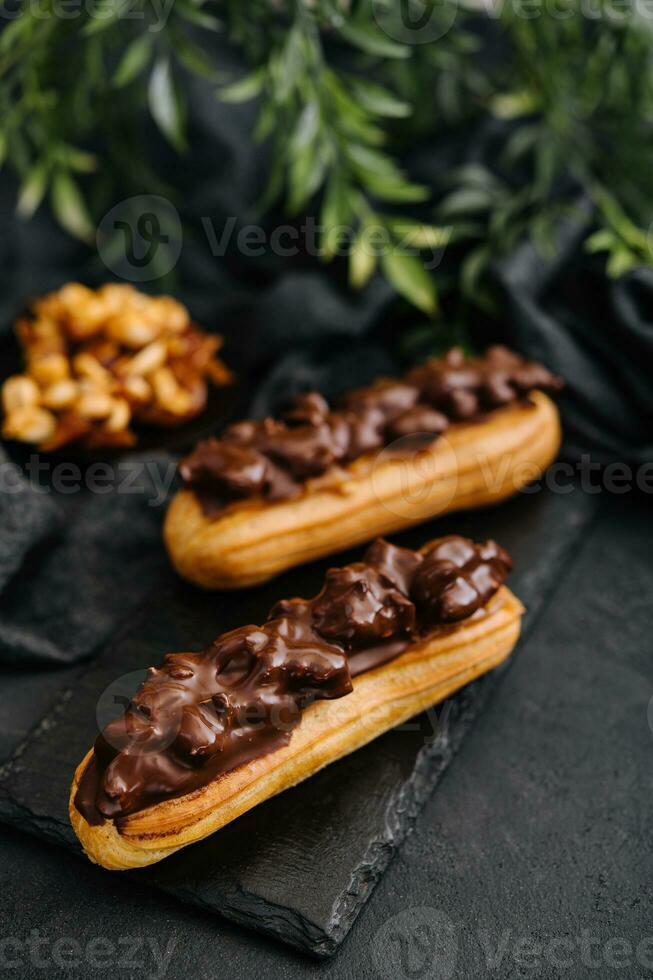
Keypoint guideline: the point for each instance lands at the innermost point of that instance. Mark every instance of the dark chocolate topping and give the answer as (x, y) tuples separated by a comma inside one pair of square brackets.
[(201, 715), (272, 459)]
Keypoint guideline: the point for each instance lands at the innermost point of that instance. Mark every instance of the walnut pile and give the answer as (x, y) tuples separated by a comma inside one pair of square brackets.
[(97, 361)]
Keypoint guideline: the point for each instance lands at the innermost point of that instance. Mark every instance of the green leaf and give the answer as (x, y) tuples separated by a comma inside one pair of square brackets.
[(164, 104), (336, 213), (474, 175), (542, 229), (79, 160), (289, 69), (622, 261), (467, 200), (379, 100), (11, 34), (601, 241), (372, 41), (409, 277), (306, 127), (419, 235), (105, 16), (373, 161), (244, 89), (362, 261), (546, 159), (70, 208), (195, 59), (473, 268), (387, 189), (307, 170), (616, 217), (520, 143), (194, 14), (32, 190), (512, 105), (136, 57)]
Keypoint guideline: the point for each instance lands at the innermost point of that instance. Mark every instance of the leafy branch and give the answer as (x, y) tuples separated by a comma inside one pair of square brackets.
[(569, 100)]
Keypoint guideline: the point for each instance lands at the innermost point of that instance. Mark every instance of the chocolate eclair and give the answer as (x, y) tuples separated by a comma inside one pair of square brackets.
[(210, 735), (454, 433)]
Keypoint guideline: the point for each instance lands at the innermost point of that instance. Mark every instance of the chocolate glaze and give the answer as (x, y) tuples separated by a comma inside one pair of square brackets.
[(271, 459), (201, 715)]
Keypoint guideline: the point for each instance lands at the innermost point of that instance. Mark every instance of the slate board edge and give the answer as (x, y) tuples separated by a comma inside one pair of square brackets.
[(433, 760)]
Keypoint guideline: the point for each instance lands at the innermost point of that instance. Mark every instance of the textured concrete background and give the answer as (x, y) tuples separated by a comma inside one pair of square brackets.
[(533, 858)]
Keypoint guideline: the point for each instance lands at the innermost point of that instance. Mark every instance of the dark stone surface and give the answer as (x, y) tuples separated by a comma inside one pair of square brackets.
[(301, 866), (540, 832)]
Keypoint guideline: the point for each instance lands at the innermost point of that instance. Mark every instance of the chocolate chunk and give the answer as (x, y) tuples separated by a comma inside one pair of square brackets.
[(305, 450), (359, 607), (308, 409), (461, 404), (357, 432), (418, 420), (234, 470), (398, 565), (388, 398), (457, 577)]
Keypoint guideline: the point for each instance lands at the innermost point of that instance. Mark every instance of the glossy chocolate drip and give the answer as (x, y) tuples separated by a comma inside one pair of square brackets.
[(272, 459), (203, 714)]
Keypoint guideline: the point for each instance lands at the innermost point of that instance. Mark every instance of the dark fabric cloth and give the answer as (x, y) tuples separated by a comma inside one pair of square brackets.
[(26, 519), (595, 332), (71, 571)]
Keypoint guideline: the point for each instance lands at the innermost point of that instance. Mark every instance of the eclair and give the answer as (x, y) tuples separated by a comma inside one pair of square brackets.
[(210, 735), (454, 433)]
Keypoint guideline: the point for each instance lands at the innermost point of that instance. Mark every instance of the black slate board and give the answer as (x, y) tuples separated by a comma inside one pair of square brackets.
[(301, 866)]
